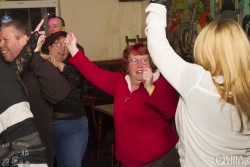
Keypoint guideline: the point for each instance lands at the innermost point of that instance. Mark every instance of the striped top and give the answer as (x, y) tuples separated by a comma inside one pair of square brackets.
[(19, 139)]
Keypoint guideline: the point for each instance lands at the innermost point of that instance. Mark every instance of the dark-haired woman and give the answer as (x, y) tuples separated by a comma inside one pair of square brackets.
[(70, 123)]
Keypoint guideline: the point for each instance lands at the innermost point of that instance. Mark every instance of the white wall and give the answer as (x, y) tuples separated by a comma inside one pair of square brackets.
[(101, 25)]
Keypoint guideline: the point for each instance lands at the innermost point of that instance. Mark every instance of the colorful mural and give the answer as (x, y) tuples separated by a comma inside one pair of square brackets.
[(186, 18)]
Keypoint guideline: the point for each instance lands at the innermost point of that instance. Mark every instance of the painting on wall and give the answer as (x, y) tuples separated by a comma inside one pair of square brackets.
[(129, 0), (186, 18)]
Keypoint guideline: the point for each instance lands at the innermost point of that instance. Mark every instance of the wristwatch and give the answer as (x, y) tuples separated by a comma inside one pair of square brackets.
[(163, 2)]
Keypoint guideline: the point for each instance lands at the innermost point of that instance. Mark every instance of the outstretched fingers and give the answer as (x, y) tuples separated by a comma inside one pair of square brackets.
[(38, 27)]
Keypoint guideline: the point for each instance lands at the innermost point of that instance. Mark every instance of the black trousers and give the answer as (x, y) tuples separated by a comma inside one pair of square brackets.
[(170, 159)]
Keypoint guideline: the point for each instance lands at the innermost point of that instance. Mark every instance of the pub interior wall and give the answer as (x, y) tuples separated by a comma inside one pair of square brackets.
[(101, 25)]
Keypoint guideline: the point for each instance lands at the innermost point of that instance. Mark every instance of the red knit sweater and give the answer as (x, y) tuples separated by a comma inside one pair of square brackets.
[(143, 131)]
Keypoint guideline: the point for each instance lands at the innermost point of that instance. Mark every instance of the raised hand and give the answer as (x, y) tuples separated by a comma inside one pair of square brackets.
[(166, 3), (71, 43), (163, 2), (39, 25), (40, 41), (41, 35), (148, 79)]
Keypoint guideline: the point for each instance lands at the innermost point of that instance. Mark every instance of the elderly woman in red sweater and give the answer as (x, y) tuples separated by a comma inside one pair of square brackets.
[(144, 106)]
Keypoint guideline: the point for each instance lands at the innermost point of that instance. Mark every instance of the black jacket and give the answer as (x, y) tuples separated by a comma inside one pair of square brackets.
[(45, 87), (19, 139)]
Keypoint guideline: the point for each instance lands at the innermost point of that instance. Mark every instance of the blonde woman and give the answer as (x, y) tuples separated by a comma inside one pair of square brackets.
[(213, 112)]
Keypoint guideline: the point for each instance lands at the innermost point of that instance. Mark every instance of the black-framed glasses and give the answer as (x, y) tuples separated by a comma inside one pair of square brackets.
[(60, 45), (136, 61)]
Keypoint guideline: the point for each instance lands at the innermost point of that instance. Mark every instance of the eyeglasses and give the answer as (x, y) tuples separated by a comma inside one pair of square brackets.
[(60, 44), (136, 61)]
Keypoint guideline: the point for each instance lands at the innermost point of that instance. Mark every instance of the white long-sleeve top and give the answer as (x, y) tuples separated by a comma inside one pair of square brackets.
[(208, 127)]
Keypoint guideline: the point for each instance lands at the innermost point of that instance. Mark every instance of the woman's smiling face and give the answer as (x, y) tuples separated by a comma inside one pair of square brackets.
[(136, 65), (58, 49)]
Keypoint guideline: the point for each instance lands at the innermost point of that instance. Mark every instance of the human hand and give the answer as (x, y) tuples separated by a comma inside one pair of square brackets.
[(53, 61), (39, 25), (58, 64), (37, 38), (163, 2), (71, 43), (40, 41), (50, 58), (147, 77), (166, 3), (42, 36)]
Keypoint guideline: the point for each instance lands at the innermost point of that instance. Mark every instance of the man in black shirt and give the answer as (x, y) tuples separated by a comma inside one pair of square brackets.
[(43, 82), (19, 140)]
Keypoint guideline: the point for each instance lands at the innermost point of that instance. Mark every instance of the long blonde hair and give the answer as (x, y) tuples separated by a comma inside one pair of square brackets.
[(223, 49)]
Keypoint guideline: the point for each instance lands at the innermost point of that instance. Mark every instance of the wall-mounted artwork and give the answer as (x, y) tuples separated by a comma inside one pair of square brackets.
[(129, 0)]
